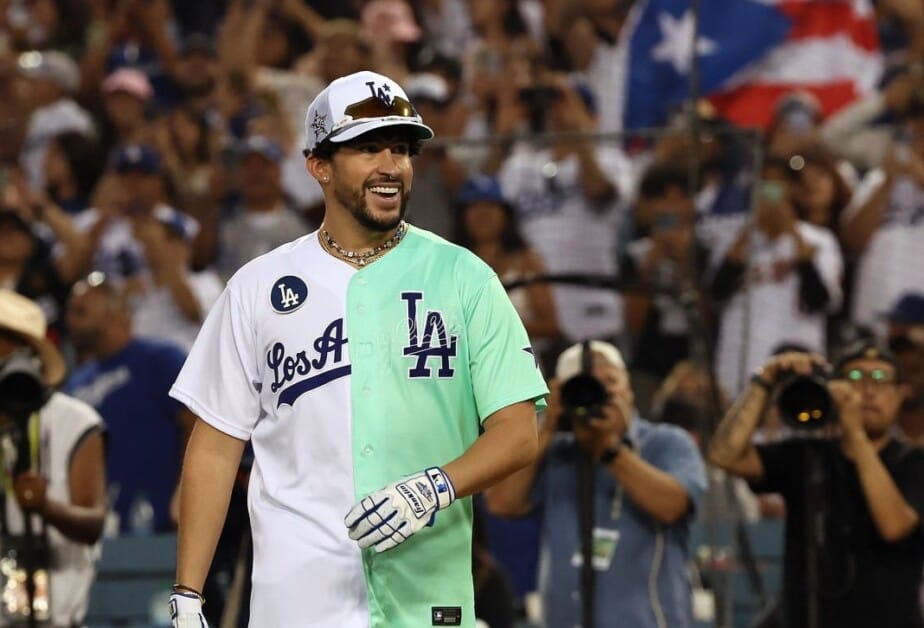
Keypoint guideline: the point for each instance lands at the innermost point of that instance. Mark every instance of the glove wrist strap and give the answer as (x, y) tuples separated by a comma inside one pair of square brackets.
[(445, 491), (182, 588)]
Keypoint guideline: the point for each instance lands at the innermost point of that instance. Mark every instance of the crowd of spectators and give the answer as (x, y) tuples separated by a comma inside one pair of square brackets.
[(150, 148)]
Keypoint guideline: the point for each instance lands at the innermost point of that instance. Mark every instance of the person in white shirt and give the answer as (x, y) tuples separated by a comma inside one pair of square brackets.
[(883, 226), (171, 301), (133, 196), (263, 220), (776, 283), (59, 478), (52, 78), (570, 198)]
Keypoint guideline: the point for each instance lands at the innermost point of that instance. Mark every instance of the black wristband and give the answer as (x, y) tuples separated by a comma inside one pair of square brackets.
[(611, 453), (758, 379)]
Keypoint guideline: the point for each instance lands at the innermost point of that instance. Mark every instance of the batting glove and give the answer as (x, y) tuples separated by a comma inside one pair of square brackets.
[(389, 516), (186, 611)]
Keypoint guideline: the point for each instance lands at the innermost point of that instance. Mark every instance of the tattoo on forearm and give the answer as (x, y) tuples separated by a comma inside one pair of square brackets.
[(735, 431)]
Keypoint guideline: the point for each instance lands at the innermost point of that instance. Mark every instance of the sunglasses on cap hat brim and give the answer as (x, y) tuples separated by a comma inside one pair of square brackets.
[(373, 107)]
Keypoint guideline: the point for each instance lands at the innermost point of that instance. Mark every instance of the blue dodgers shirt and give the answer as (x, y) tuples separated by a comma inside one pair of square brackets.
[(129, 390), (645, 553)]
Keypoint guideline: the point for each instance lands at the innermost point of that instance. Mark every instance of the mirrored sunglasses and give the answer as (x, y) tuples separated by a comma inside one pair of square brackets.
[(876, 376)]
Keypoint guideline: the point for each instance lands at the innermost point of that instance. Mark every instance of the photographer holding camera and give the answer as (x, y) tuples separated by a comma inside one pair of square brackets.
[(52, 467), (647, 480), (565, 187), (854, 494)]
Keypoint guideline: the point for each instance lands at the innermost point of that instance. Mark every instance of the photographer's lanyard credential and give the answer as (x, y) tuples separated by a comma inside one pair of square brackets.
[(616, 508), (604, 538), (34, 436)]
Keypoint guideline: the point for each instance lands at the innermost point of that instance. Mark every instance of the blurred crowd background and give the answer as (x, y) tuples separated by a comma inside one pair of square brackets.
[(709, 211)]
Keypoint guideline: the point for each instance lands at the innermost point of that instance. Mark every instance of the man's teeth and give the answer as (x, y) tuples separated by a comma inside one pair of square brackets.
[(384, 189)]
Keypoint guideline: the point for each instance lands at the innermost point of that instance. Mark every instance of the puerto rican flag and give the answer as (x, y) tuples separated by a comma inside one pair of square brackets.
[(750, 53)]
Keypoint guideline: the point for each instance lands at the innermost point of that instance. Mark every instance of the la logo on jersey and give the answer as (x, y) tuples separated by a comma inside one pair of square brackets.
[(288, 294), (421, 347)]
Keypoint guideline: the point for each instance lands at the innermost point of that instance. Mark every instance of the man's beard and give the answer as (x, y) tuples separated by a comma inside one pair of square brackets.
[(355, 203)]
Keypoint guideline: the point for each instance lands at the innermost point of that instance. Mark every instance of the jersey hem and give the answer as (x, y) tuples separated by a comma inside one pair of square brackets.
[(207, 415)]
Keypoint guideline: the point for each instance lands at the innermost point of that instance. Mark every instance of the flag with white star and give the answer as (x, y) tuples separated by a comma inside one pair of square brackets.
[(731, 34), (749, 54)]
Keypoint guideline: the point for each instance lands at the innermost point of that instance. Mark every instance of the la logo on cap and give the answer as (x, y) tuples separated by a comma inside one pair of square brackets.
[(383, 92)]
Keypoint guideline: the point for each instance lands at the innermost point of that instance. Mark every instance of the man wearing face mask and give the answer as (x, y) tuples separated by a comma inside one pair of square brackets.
[(776, 283), (647, 481)]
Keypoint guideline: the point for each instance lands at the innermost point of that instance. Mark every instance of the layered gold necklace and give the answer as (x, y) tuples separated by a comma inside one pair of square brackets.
[(357, 258)]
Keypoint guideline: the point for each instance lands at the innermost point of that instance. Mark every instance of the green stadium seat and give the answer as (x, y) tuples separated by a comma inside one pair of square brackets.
[(133, 574)]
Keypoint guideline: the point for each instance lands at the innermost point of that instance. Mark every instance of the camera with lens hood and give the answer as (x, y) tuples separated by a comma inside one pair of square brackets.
[(22, 387), (803, 400), (583, 395)]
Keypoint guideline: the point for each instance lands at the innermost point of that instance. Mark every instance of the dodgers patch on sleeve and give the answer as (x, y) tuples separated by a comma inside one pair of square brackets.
[(446, 615), (288, 294)]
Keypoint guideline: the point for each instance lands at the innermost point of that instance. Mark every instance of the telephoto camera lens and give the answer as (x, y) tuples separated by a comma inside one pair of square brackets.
[(22, 390), (804, 401), (582, 398)]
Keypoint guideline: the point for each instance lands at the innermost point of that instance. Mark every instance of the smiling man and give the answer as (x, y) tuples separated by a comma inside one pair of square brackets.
[(361, 361)]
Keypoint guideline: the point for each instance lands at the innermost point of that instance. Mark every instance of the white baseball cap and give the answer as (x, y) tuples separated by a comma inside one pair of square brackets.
[(358, 103), (51, 65), (570, 362), (26, 319)]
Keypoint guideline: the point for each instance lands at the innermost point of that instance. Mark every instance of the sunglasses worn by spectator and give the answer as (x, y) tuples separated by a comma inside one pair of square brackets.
[(879, 377)]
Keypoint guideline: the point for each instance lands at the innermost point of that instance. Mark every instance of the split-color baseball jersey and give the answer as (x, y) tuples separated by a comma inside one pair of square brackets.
[(346, 380)]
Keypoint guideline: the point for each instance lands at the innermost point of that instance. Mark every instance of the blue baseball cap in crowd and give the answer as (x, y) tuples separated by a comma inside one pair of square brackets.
[(137, 158), (909, 309), (261, 145), (480, 188), (587, 96), (177, 222)]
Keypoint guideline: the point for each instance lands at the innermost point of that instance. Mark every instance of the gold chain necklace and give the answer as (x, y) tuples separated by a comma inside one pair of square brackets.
[(361, 259)]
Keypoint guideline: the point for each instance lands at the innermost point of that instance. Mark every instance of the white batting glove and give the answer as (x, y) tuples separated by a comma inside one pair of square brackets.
[(389, 516), (186, 611)]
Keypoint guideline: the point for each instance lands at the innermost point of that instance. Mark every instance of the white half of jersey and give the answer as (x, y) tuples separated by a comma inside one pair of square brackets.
[(306, 572)]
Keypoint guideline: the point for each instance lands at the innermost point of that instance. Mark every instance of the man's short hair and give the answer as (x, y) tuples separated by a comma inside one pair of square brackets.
[(661, 177)]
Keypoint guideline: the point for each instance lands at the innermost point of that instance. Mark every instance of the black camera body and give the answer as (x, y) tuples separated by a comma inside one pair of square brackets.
[(803, 401), (537, 100), (582, 396), (22, 385)]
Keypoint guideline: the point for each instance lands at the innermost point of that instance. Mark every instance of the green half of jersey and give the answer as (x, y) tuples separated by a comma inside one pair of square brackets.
[(436, 347)]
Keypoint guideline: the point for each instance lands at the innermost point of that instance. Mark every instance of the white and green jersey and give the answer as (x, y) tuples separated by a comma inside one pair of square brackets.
[(346, 380)]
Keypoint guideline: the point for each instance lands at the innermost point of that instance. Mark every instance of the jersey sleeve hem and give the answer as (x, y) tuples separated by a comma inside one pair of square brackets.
[(535, 395), (207, 415)]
